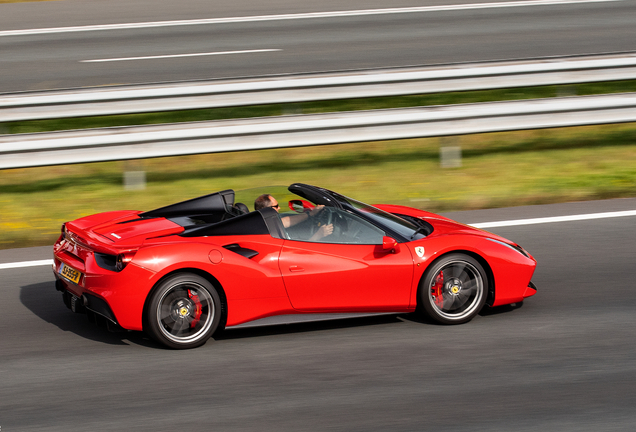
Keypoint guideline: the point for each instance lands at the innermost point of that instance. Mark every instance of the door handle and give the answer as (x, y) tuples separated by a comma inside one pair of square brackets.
[(296, 268)]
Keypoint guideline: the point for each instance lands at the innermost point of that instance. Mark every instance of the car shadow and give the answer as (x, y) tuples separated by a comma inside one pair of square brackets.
[(487, 311), (46, 303)]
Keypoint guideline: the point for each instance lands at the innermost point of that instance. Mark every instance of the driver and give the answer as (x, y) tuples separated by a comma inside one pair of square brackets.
[(266, 200)]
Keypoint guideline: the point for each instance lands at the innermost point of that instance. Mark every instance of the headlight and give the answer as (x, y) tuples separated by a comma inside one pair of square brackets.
[(515, 247)]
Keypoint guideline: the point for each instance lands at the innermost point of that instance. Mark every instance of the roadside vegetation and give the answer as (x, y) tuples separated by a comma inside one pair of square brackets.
[(498, 169)]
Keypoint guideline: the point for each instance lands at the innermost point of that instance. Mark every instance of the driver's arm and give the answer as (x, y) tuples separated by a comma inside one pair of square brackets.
[(296, 219), (323, 231)]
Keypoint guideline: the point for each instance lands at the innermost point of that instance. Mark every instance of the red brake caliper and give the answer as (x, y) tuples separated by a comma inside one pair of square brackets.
[(437, 289), (197, 309)]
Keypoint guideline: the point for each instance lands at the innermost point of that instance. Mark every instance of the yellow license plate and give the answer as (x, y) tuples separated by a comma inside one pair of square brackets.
[(70, 273)]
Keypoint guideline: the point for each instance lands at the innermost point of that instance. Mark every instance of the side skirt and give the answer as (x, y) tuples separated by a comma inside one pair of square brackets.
[(302, 318)]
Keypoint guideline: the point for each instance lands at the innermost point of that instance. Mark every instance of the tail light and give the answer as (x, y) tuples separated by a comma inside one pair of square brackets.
[(115, 263), (123, 259)]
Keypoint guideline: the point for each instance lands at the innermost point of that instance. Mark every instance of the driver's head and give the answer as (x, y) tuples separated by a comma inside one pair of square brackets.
[(266, 200)]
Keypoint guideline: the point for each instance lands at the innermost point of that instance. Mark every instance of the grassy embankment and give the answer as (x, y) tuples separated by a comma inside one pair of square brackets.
[(499, 169)]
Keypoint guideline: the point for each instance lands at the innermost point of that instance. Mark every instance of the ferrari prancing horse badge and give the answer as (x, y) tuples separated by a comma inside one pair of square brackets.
[(419, 250)]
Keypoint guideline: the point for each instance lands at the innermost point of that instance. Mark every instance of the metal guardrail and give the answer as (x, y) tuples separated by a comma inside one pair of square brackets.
[(303, 88), (122, 143)]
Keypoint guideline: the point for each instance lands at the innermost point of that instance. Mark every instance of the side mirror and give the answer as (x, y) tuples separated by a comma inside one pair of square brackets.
[(300, 206), (389, 244)]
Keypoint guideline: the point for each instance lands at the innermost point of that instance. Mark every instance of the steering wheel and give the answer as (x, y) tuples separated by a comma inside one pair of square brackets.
[(330, 216), (324, 217)]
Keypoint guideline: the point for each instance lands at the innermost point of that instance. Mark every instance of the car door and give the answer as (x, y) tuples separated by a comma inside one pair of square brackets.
[(348, 270)]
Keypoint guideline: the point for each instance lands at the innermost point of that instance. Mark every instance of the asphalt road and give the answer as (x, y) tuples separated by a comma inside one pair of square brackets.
[(564, 361), (46, 61)]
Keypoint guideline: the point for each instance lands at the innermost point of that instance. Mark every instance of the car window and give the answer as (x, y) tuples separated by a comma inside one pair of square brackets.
[(403, 227), (346, 228)]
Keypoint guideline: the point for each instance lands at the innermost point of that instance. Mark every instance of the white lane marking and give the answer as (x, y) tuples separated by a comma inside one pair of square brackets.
[(26, 264), (179, 55), (517, 222), (555, 219), (280, 17)]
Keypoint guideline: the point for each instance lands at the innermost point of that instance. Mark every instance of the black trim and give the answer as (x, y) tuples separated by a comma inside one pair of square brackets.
[(273, 222), (86, 303), (218, 202), (532, 285), (198, 220), (99, 306), (131, 221), (427, 228), (106, 261), (236, 248), (317, 195), (59, 285), (249, 224)]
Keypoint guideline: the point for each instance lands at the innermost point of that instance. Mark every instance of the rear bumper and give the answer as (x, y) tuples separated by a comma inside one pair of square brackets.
[(117, 297), (85, 302)]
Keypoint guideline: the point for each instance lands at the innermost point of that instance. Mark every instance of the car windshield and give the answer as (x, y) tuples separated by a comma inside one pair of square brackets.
[(403, 227)]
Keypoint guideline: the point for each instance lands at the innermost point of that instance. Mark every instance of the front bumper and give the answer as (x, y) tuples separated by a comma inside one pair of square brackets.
[(530, 291)]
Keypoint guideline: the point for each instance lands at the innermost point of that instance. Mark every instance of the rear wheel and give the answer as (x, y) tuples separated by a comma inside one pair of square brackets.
[(184, 311), (453, 290)]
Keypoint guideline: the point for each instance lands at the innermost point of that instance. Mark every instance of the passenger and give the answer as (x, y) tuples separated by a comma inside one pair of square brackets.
[(266, 200)]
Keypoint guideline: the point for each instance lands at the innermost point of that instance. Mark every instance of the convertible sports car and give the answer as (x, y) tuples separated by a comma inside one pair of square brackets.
[(185, 271)]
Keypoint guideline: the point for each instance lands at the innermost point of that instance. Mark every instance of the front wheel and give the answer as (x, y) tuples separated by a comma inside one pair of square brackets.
[(184, 311), (453, 290)]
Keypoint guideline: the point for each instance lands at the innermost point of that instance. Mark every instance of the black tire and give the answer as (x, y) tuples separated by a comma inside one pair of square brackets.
[(454, 289), (184, 311)]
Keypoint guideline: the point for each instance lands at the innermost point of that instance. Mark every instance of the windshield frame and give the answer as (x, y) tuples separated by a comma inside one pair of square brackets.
[(401, 229)]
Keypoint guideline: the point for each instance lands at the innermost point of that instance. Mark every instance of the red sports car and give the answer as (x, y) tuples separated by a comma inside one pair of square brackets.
[(185, 271)]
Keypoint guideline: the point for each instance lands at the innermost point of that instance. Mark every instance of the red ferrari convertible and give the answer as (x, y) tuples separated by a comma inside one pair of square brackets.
[(185, 271)]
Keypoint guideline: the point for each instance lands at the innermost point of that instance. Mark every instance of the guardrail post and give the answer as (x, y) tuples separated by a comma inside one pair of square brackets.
[(450, 155), (134, 180)]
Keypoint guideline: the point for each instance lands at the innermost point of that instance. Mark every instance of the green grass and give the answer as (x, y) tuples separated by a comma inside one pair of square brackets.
[(499, 169)]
